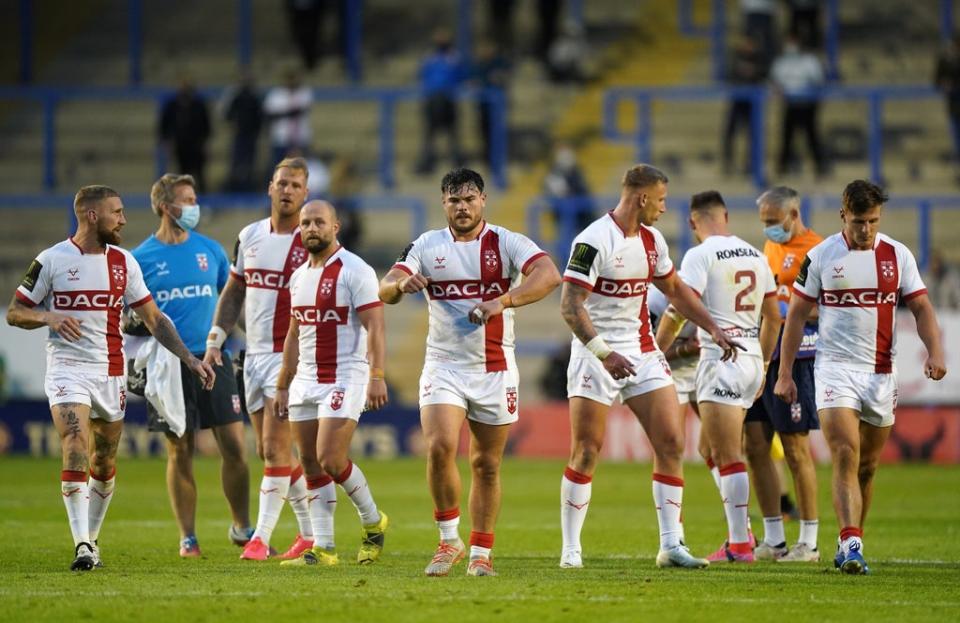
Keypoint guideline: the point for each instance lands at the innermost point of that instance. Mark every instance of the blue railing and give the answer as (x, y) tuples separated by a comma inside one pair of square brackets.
[(413, 206), (387, 98), (642, 135), (565, 212)]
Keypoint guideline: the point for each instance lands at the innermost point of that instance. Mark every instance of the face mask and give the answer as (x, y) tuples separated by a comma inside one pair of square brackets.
[(778, 233), (189, 217)]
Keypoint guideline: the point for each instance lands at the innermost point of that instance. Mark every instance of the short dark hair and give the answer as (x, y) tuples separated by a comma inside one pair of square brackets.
[(92, 195), (458, 178), (643, 176), (862, 196), (706, 200)]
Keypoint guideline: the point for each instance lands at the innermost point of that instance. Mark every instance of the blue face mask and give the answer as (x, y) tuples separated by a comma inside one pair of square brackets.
[(189, 217), (777, 233)]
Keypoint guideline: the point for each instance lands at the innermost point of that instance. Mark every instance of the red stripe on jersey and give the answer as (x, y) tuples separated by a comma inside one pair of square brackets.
[(23, 298), (117, 272), (370, 306), (491, 275), (403, 268), (803, 294), (281, 312), (767, 295), (326, 356), (579, 282), (888, 282), (533, 259), (650, 245), (914, 295), (142, 301)]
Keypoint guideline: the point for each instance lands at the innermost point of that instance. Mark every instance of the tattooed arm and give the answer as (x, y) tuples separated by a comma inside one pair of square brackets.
[(164, 332), (572, 297), (228, 314)]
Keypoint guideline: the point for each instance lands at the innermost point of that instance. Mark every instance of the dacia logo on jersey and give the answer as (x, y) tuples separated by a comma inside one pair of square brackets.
[(119, 273), (314, 316), (87, 300), (465, 289), (858, 298), (626, 287), (490, 260), (186, 292), (268, 279), (326, 287), (888, 270)]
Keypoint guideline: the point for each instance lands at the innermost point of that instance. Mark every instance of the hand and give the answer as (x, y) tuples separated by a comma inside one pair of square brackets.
[(204, 371), (786, 389), (934, 368), (484, 311), (618, 366), (281, 404), (376, 394), (66, 327), (729, 346), (213, 356), (412, 283)]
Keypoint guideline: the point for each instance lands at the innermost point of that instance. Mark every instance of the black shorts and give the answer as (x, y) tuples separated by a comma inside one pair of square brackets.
[(799, 417), (205, 409)]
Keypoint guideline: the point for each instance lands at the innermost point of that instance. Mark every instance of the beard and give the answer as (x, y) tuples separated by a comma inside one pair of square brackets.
[(456, 224), (108, 236), (317, 245)]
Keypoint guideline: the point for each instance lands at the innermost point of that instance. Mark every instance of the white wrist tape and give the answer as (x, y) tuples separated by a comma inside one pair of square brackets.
[(599, 348), (216, 338)]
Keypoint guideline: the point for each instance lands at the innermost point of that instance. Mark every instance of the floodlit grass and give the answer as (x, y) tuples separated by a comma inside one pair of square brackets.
[(911, 544)]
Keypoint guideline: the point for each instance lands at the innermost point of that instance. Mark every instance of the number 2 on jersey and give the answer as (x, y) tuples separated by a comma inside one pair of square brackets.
[(751, 278)]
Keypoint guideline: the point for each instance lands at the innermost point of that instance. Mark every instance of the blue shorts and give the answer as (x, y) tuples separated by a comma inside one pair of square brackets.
[(799, 417)]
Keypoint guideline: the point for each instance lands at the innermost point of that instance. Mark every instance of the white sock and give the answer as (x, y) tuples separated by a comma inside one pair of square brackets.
[(101, 492), (322, 503), (297, 498), (76, 497), (575, 491), (808, 532), (354, 483), (479, 552), (481, 544), (273, 490), (448, 522), (773, 534), (668, 498), (735, 490), (714, 472)]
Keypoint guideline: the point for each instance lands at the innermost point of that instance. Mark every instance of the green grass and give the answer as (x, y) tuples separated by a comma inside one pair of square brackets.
[(912, 546)]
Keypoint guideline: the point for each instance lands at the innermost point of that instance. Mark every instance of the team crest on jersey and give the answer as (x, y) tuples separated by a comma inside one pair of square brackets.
[(298, 256), (652, 257), (202, 261), (490, 260), (511, 400), (788, 261), (887, 270), (123, 400), (236, 403), (326, 286), (119, 275), (336, 399)]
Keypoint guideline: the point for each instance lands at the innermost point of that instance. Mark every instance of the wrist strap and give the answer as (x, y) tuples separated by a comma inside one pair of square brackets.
[(217, 337), (599, 348)]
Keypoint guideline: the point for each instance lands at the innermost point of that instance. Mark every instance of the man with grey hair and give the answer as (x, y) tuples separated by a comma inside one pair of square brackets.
[(185, 271), (788, 241)]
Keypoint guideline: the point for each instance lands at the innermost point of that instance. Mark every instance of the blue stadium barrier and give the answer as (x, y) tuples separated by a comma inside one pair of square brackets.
[(642, 135), (566, 209), (387, 98)]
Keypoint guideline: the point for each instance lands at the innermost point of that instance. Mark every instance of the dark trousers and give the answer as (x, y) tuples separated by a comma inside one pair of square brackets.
[(802, 117), (439, 117), (738, 116)]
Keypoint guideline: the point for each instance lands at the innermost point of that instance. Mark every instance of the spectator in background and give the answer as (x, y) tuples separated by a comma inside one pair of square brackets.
[(568, 55), (746, 69), (805, 22), (287, 109), (943, 282), (500, 23), (567, 186), (441, 73), (345, 186), (184, 131), (759, 24), (947, 79), (798, 74), (548, 17), (491, 71), (242, 108)]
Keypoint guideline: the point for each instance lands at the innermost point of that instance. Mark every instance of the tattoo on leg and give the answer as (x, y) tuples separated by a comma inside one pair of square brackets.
[(71, 421), (104, 452), (76, 461)]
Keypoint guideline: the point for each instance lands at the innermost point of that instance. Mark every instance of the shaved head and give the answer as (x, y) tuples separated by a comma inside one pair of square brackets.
[(319, 205), (318, 225)]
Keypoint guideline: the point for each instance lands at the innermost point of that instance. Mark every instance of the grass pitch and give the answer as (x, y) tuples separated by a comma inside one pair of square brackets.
[(912, 546)]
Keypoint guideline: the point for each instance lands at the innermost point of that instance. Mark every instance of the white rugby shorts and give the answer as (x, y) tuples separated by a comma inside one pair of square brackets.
[(729, 382), (488, 397), (260, 373), (310, 400), (105, 395), (587, 378), (873, 395), (685, 378)]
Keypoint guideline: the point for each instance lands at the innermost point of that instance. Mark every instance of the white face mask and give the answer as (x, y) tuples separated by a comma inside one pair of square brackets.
[(189, 217)]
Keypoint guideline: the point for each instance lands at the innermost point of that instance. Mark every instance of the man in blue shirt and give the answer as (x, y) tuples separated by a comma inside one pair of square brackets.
[(185, 272)]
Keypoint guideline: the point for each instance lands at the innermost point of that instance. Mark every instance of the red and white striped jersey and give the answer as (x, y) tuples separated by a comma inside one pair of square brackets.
[(325, 302), (264, 261), (732, 278), (857, 293), (462, 275), (92, 288), (617, 270)]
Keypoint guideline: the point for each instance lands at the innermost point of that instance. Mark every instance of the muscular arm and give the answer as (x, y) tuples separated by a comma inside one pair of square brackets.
[(769, 327), (668, 329), (230, 304), (574, 313), (929, 331), (797, 314), (539, 280), (291, 355), (163, 331), (396, 283), (372, 320), (686, 301), (20, 315)]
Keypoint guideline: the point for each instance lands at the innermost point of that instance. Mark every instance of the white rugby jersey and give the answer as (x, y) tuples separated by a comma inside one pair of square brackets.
[(732, 278), (325, 301), (617, 270), (264, 261), (462, 275), (92, 288), (857, 293)]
